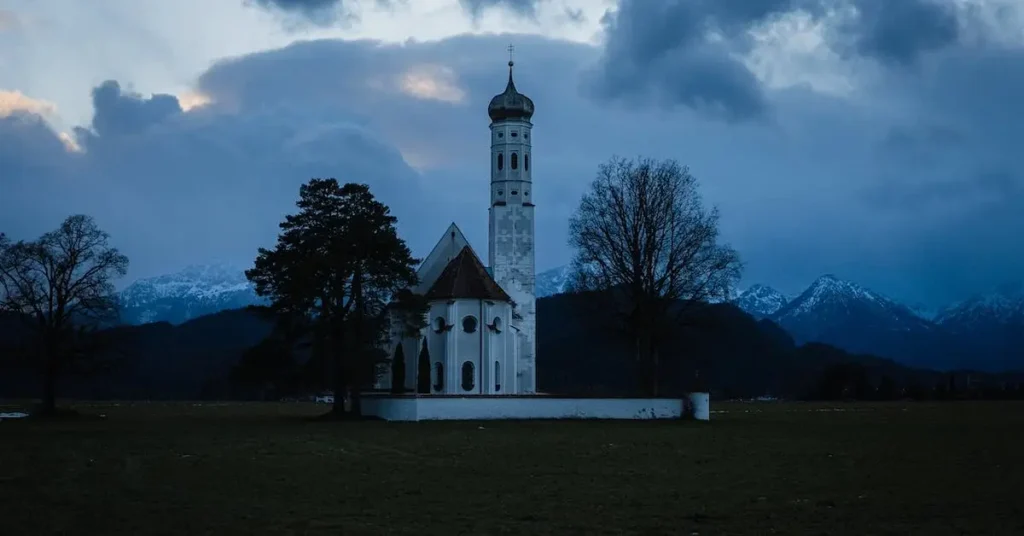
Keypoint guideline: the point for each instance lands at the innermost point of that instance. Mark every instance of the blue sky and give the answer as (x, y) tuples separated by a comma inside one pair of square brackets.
[(877, 140)]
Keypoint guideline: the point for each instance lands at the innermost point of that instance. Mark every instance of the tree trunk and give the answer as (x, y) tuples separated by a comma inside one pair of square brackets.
[(358, 358), (340, 380), (655, 369), (49, 400)]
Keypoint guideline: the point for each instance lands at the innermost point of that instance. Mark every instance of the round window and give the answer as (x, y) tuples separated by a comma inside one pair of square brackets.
[(469, 324)]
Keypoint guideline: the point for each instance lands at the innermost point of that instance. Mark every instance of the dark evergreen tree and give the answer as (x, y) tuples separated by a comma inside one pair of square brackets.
[(339, 262), (398, 371), (423, 370)]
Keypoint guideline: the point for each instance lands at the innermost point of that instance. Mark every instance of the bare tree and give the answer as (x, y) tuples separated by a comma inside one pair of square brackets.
[(61, 286), (645, 242)]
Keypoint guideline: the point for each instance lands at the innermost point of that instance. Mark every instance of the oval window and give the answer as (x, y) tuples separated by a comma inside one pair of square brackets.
[(514, 162), (467, 376), (497, 323), (439, 324), (469, 324), (501, 161)]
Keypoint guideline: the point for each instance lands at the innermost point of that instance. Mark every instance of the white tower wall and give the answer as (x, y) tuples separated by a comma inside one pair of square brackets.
[(511, 251)]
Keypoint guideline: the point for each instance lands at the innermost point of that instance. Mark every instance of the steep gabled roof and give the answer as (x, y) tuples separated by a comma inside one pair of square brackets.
[(466, 277), (446, 249)]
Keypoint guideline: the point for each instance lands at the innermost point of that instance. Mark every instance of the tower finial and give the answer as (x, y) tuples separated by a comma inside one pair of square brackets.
[(511, 52)]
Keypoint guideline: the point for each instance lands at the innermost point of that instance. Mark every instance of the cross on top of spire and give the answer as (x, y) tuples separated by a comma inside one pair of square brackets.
[(511, 52)]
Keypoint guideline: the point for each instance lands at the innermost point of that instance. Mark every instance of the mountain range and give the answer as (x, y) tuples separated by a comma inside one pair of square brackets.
[(982, 333), (195, 291)]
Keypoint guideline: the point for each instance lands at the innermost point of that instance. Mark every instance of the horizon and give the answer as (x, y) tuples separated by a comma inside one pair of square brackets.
[(878, 148)]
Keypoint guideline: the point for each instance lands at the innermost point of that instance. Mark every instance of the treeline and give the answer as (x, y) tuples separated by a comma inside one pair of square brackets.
[(853, 381)]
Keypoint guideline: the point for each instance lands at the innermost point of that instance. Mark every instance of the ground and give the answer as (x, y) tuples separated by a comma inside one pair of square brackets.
[(757, 468)]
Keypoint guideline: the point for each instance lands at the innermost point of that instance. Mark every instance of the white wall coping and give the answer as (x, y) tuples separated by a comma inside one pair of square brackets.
[(417, 407)]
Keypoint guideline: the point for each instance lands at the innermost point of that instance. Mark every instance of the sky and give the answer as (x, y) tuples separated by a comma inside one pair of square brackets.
[(876, 140)]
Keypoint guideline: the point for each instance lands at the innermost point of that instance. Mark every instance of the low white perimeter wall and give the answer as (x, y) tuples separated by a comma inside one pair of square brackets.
[(429, 408)]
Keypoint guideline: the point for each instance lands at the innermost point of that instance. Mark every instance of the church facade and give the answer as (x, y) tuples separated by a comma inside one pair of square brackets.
[(480, 337)]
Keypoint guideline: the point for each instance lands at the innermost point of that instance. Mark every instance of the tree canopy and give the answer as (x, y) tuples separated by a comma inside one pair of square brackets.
[(338, 263), (61, 286), (644, 241)]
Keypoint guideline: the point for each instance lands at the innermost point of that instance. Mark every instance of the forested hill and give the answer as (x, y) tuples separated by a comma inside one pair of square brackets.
[(578, 353)]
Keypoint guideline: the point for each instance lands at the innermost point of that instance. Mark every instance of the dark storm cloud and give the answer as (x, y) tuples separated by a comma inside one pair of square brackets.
[(901, 31), (116, 112), (662, 52), (684, 52), (322, 12), (911, 187)]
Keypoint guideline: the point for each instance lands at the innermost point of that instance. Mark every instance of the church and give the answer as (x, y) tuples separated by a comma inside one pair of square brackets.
[(481, 332)]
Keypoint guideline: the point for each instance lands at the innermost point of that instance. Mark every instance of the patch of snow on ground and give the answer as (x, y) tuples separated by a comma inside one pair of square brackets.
[(13, 415)]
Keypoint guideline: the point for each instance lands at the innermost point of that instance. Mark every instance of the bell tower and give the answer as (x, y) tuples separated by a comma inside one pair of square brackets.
[(511, 251)]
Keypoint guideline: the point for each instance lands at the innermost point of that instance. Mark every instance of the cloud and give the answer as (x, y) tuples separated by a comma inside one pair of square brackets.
[(118, 113), (8, 20), (12, 102), (682, 53), (907, 181), (900, 32), (322, 12), (523, 8)]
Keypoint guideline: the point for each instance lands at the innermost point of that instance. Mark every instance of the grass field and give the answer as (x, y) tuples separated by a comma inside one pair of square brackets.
[(188, 469)]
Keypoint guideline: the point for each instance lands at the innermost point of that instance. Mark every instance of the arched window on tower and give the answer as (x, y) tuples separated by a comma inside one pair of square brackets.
[(501, 161), (497, 376), (526, 161), (514, 161)]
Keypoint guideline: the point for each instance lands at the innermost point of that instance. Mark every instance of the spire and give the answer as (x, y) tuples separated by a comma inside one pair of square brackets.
[(511, 63), (510, 104)]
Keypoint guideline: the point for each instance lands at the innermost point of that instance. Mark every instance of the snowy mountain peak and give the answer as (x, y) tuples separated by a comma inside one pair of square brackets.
[(829, 293), (1004, 306), (760, 301), (553, 281), (193, 291)]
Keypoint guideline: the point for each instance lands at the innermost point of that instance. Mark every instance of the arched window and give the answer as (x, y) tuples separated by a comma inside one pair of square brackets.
[(526, 161), (469, 324), (497, 376), (501, 161), (467, 376), (514, 162), (438, 377)]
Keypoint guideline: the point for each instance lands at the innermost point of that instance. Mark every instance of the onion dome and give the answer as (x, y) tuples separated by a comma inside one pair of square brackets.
[(510, 104)]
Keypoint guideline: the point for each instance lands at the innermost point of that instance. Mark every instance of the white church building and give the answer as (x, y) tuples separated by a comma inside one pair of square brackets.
[(482, 320)]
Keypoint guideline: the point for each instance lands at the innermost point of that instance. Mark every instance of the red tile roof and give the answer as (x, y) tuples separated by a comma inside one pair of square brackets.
[(466, 277)]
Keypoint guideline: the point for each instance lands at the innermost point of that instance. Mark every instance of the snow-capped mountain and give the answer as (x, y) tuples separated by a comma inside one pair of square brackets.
[(553, 281), (849, 316), (1005, 306), (193, 292), (760, 301), (991, 326)]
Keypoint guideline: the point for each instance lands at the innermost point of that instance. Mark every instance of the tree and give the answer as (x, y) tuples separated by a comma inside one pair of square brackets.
[(398, 371), (339, 261), (645, 243), (61, 287), (269, 366), (423, 370)]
